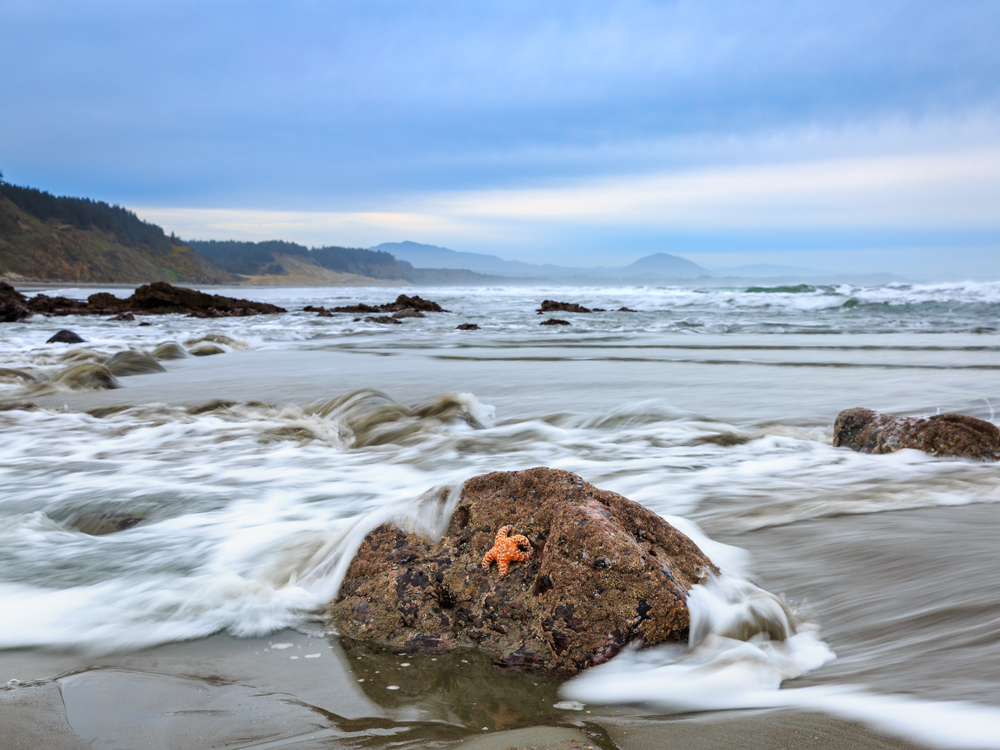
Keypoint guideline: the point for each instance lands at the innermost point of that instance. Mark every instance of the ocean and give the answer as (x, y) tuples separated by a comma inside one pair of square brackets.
[(257, 469)]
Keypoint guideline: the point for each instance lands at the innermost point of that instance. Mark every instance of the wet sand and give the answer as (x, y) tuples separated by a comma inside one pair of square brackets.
[(184, 700), (299, 690)]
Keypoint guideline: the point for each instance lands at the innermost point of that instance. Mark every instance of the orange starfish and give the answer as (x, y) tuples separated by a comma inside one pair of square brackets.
[(506, 549)]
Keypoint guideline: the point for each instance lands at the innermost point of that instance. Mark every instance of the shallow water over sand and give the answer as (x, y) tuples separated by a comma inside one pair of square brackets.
[(251, 467)]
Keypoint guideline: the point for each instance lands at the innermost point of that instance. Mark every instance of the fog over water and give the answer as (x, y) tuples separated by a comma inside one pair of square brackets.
[(257, 468)]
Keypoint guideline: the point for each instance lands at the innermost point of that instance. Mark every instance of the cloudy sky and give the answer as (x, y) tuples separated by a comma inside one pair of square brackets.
[(836, 135)]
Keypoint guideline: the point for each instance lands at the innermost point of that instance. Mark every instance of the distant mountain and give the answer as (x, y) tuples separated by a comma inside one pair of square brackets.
[(432, 256), (660, 265)]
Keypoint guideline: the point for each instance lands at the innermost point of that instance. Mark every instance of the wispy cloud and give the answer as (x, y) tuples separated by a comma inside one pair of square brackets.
[(938, 191)]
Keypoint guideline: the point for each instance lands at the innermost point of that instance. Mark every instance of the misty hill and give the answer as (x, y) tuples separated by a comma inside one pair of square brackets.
[(432, 256), (659, 265), (49, 238), (264, 261), (662, 265)]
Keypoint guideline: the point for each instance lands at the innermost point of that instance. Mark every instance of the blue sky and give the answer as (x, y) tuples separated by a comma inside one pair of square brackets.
[(839, 135)]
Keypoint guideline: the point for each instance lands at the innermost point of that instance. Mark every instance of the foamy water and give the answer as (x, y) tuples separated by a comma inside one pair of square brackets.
[(256, 470)]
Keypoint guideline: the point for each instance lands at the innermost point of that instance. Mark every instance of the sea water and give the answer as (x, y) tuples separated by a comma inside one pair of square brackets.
[(256, 472)]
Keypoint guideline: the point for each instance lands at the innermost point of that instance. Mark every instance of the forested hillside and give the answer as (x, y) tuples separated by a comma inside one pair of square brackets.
[(272, 258), (49, 238)]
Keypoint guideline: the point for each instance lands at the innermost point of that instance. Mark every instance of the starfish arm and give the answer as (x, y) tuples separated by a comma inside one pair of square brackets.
[(489, 558)]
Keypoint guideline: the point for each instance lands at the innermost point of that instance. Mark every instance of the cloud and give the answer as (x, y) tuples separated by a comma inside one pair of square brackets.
[(926, 190)]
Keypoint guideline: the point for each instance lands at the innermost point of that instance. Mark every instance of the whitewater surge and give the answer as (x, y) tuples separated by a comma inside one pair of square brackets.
[(238, 484), (744, 644)]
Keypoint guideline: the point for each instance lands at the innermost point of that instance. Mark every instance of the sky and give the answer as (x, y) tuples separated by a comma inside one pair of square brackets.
[(840, 135)]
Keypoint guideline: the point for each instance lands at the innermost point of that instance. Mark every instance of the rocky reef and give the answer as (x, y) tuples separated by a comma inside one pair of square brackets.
[(150, 299), (404, 306), (550, 305)]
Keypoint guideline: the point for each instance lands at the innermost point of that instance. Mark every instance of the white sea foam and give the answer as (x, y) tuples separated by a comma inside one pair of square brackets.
[(744, 644)]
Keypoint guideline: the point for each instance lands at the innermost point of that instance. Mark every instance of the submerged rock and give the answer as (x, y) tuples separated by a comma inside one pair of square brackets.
[(554, 322), (467, 327), (65, 336), (206, 349), (950, 435), (123, 316), (603, 572), (133, 363), (170, 350), (9, 373), (550, 305), (89, 376), (415, 302), (100, 524)]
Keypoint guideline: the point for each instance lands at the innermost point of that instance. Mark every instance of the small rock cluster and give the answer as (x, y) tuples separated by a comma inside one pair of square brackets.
[(946, 435)]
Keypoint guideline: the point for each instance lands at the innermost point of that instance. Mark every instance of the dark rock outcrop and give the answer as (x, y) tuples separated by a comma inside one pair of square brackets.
[(157, 298), (947, 435), (45, 305), (13, 305), (402, 302), (467, 327), (320, 311), (550, 305), (356, 309), (417, 303), (383, 319), (554, 322), (100, 524), (604, 572), (106, 302), (161, 297), (65, 336)]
